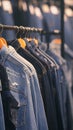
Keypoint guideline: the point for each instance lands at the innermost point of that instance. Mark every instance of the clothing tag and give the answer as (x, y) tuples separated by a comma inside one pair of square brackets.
[(31, 9), (45, 8), (7, 6), (38, 13)]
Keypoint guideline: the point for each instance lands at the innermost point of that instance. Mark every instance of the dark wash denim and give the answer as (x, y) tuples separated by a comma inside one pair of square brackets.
[(2, 121), (56, 74), (21, 17), (5, 88), (43, 81), (66, 94), (51, 21), (31, 118), (56, 85), (7, 18), (35, 21), (60, 86), (48, 105)]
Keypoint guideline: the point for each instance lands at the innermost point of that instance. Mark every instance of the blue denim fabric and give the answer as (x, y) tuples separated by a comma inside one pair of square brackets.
[(2, 123), (52, 21), (69, 59), (48, 106), (35, 62), (68, 52), (21, 113), (7, 19), (68, 33), (57, 75), (21, 16), (1, 15), (67, 108), (61, 61), (44, 82), (60, 86), (35, 122), (37, 99)]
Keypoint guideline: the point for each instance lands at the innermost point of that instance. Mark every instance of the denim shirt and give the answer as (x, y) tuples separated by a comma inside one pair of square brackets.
[(39, 109), (15, 65)]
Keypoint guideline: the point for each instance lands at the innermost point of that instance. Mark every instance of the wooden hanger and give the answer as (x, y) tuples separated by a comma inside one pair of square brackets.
[(4, 41), (2, 44), (22, 42)]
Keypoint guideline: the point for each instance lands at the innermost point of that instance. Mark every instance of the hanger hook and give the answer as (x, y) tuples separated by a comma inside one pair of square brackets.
[(21, 31), (1, 28), (26, 31), (17, 30)]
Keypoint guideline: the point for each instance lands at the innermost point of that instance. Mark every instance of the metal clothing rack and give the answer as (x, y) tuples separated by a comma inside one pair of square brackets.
[(61, 5), (27, 29), (39, 30), (62, 27)]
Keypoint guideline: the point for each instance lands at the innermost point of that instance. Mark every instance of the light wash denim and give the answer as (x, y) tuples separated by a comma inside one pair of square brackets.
[(21, 115), (16, 64), (36, 95)]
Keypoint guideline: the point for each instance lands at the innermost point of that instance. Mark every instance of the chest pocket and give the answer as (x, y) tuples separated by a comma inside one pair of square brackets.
[(16, 99), (16, 105)]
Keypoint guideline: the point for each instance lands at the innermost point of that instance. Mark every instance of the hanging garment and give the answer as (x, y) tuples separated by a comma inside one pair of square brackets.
[(24, 88), (55, 53), (35, 52), (46, 91)]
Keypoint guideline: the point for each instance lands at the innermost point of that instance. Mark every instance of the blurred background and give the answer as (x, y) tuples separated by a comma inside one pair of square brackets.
[(50, 15)]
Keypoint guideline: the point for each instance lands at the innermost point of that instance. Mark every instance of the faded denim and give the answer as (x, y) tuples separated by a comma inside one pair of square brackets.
[(31, 120)]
